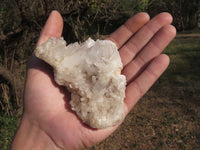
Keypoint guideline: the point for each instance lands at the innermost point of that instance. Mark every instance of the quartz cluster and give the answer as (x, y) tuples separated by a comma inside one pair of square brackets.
[(91, 71)]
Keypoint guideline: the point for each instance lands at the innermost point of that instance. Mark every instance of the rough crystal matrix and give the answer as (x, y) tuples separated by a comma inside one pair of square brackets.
[(91, 71)]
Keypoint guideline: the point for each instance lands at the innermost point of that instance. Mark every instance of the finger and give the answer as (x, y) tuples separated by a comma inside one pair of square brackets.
[(150, 51), (142, 37), (52, 28), (123, 33), (136, 89)]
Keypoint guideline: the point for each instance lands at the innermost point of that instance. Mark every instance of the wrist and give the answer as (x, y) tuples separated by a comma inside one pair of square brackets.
[(30, 136)]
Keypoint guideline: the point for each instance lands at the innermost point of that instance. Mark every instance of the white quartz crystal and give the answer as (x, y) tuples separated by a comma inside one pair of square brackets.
[(91, 71)]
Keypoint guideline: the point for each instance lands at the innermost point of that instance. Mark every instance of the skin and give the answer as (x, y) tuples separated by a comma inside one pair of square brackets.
[(48, 122)]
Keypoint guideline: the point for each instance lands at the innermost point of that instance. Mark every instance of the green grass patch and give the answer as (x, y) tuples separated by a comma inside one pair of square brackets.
[(8, 127)]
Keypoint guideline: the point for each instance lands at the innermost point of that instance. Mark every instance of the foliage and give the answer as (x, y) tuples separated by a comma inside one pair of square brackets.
[(133, 6), (9, 20), (184, 12), (81, 18)]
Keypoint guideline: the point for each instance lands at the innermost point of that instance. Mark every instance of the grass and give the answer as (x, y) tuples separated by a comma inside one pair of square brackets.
[(167, 117), (8, 127)]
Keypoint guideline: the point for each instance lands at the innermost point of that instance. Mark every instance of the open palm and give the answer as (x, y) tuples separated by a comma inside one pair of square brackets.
[(140, 43)]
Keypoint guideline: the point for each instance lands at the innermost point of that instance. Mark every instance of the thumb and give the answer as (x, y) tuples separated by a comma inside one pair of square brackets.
[(52, 28)]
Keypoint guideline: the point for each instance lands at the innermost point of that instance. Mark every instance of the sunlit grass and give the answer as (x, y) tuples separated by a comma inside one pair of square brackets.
[(8, 127)]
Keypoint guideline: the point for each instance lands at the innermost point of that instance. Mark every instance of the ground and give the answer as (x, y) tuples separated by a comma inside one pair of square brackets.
[(167, 117)]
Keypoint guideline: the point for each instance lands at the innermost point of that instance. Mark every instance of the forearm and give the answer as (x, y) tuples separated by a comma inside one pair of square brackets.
[(29, 136)]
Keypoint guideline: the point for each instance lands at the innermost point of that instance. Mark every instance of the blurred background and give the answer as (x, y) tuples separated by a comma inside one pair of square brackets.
[(167, 117)]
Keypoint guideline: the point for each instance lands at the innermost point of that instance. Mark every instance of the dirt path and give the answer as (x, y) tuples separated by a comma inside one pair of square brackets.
[(190, 35)]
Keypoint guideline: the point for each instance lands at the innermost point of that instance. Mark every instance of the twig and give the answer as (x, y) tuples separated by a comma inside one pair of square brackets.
[(15, 84)]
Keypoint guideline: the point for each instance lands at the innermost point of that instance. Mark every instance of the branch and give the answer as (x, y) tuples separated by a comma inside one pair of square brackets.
[(16, 84), (4, 37)]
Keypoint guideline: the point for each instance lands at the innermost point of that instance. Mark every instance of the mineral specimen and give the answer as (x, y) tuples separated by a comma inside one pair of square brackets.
[(91, 71)]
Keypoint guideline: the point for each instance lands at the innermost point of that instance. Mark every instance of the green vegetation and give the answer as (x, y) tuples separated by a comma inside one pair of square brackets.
[(8, 127)]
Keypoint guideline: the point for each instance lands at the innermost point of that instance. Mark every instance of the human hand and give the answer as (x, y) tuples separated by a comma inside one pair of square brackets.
[(48, 122)]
